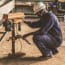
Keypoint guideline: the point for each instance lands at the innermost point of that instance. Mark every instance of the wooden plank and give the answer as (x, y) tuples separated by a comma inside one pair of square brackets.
[(23, 4), (18, 15), (61, 0)]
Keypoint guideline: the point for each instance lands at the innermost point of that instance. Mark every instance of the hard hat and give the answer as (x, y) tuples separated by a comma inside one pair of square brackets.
[(39, 6)]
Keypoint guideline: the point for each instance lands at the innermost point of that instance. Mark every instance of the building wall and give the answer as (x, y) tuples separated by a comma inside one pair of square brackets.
[(25, 7)]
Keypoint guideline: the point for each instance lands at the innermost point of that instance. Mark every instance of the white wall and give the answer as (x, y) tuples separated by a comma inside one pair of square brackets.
[(7, 8), (2, 1)]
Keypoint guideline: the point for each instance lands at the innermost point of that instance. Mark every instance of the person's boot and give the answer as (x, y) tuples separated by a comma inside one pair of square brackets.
[(47, 54), (54, 51)]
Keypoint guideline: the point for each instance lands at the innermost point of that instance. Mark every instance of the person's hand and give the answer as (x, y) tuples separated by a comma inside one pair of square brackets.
[(24, 36)]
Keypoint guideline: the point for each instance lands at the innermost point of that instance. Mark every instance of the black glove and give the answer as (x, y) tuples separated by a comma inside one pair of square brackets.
[(24, 36)]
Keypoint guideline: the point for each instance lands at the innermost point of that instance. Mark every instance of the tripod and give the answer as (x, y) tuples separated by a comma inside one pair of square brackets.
[(13, 17)]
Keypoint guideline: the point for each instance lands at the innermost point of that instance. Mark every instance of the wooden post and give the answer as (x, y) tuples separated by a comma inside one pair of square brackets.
[(13, 38)]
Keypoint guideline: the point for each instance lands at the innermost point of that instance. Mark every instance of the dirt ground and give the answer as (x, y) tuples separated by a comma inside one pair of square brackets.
[(32, 53)]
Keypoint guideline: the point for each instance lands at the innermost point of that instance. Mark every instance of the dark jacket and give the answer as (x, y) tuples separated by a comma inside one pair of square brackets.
[(48, 24)]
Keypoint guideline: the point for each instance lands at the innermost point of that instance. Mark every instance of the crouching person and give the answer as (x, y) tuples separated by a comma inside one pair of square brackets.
[(49, 37)]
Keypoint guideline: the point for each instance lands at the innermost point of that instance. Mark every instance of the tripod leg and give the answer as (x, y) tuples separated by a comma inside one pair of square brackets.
[(2, 36)]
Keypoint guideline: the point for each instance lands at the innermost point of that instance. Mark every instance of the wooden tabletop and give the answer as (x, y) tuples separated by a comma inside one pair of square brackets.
[(17, 17)]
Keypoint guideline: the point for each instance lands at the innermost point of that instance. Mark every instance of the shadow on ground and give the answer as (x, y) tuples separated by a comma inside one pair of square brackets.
[(20, 60)]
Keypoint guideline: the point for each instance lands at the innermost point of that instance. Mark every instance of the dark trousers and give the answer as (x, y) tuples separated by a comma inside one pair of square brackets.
[(45, 42)]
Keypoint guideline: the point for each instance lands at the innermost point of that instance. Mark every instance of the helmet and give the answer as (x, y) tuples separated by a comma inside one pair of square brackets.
[(39, 6)]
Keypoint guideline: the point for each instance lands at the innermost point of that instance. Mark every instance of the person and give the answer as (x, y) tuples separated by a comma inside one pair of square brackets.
[(49, 36)]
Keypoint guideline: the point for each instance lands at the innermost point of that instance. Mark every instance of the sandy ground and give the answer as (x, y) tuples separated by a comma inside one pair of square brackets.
[(32, 53)]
